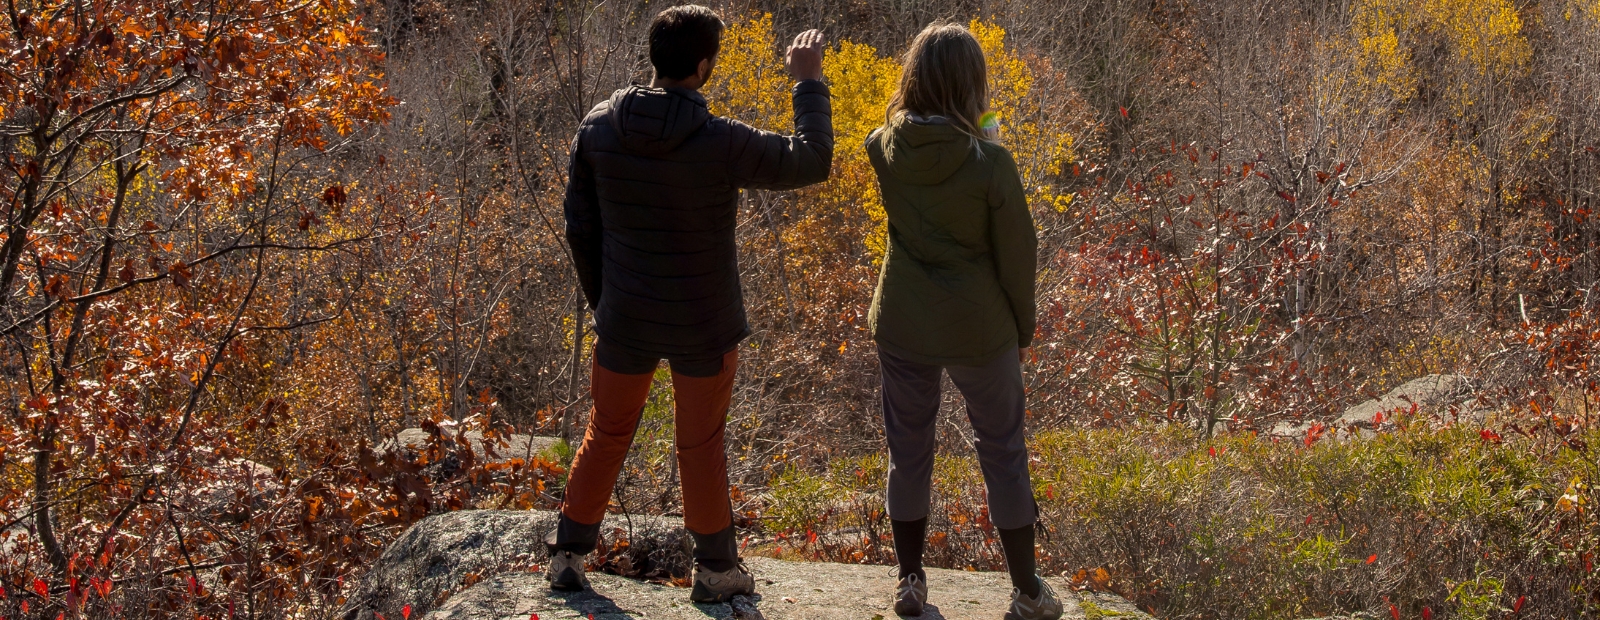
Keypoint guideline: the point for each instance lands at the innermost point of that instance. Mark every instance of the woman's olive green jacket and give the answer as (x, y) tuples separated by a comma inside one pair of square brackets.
[(957, 282)]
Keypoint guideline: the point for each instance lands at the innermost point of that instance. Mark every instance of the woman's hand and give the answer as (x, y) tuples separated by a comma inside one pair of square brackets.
[(1023, 353), (804, 58)]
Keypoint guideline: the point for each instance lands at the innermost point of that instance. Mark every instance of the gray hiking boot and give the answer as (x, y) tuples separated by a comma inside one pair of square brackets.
[(910, 595), (1043, 607), (720, 587), (566, 572)]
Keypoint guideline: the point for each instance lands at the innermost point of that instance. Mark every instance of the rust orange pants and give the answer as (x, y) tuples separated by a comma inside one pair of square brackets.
[(699, 419)]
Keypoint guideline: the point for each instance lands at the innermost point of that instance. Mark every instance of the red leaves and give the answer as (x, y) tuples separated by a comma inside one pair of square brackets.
[(1372, 558), (1123, 110), (1427, 613), (1517, 606), (1394, 612), (56, 287), (334, 197), (179, 271), (126, 274), (1288, 197), (1489, 436), (104, 38), (100, 586), (1314, 433), (1323, 177), (41, 588), (405, 612), (233, 52)]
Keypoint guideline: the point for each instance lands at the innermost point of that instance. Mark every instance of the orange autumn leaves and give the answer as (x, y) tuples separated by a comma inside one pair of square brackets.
[(152, 142)]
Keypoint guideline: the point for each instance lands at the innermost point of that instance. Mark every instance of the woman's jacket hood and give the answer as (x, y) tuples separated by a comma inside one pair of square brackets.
[(926, 152)]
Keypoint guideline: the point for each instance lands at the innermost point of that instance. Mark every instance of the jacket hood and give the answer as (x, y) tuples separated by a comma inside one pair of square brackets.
[(655, 120), (926, 152)]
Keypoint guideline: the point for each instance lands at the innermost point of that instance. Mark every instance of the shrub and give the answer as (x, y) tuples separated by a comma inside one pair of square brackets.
[(1246, 527)]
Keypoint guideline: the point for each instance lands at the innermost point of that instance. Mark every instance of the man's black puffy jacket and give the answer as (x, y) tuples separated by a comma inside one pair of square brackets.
[(652, 204)]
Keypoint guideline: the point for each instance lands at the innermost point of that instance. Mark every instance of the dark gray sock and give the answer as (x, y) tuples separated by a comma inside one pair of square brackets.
[(572, 536), (909, 537), (1018, 545), (717, 551)]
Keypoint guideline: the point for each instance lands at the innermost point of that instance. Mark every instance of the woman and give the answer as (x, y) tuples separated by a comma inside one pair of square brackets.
[(955, 296)]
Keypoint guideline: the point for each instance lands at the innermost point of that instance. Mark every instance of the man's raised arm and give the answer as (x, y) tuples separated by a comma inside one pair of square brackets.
[(765, 160)]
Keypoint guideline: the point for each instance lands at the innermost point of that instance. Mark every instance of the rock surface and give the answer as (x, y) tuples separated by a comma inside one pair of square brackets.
[(518, 446), (435, 556), (785, 590), (446, 553), (486, 564), (1427, 392)]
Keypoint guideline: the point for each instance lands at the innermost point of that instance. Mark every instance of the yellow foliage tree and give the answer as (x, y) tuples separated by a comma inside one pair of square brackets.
[(1039, 123), (750, 80), (1382, 62), (1484, 37), (862, 83), (1039, 119), (1487, 34)]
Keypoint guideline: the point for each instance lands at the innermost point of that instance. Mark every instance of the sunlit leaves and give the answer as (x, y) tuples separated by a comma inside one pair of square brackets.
[(1039, 126), (153, 142), (750, 82)]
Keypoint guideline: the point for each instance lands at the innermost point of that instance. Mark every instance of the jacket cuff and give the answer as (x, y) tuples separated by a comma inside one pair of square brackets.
[(811, 87)]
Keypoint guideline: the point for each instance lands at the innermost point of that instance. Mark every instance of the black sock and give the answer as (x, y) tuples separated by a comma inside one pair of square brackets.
[(572, 536), (909, 537), (1018, 544), (716, 552)]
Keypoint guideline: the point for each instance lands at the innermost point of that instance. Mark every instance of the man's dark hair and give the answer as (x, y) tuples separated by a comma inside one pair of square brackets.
[(681, 37)]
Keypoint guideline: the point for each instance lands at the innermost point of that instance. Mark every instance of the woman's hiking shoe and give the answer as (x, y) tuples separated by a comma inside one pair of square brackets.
[(910, 595), (1043, 607), (721, 586), (566, 572)]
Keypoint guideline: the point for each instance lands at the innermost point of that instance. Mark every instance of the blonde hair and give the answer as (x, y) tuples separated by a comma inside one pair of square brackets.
[(943, 74)]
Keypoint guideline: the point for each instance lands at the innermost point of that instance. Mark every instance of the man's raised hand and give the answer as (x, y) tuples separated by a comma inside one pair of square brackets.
[(804, 58)]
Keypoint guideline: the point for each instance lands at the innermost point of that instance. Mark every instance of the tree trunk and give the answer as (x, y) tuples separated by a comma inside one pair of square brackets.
[(568, 413)]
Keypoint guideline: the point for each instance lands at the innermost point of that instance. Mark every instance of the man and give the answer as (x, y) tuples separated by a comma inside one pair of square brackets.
[(651, 211)]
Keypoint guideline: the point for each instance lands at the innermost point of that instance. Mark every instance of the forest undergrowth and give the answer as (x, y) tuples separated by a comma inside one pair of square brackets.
[(246, 243)]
